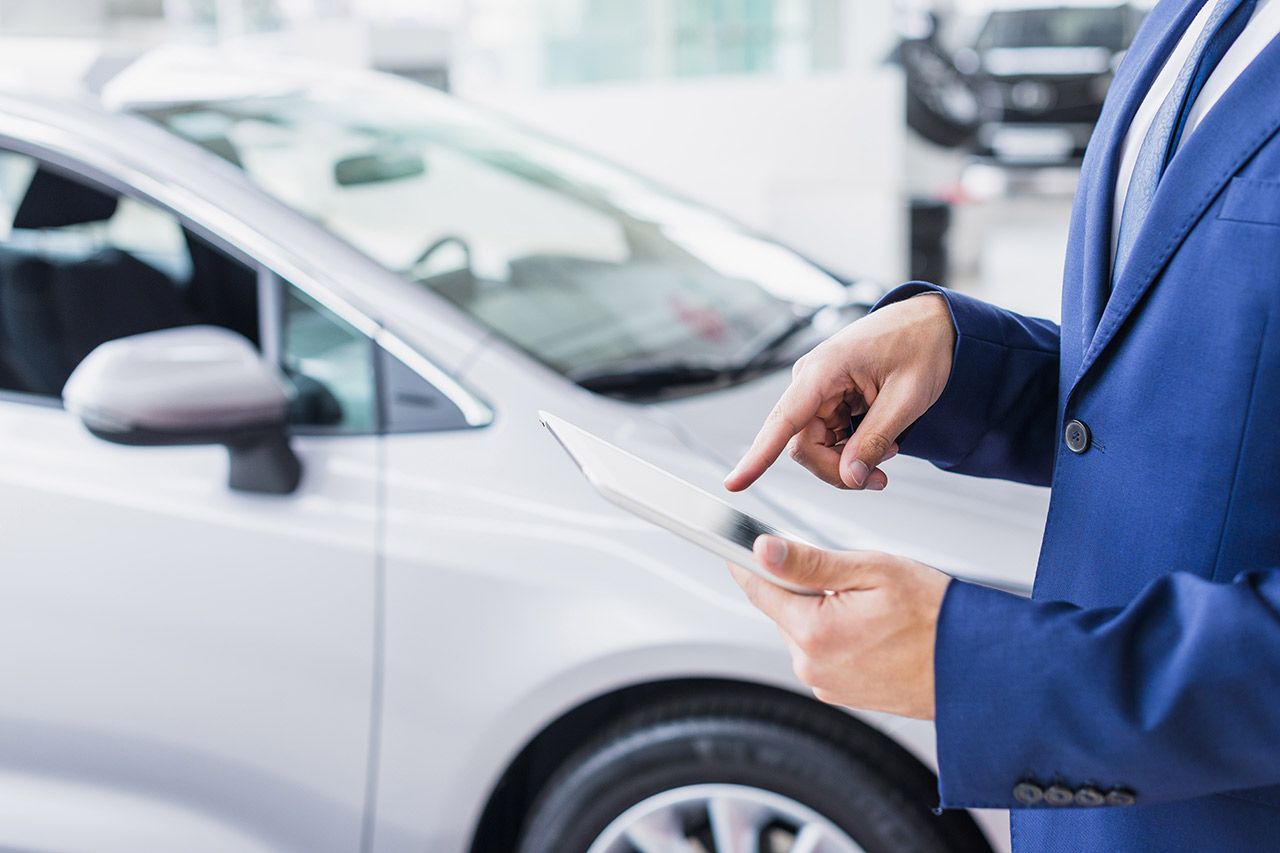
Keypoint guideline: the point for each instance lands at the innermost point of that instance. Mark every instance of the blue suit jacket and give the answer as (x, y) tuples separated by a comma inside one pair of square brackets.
[(1149, 656)]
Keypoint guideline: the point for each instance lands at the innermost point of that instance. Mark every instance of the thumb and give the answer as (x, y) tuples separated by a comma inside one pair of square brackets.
[(812, 567), (894, 409)]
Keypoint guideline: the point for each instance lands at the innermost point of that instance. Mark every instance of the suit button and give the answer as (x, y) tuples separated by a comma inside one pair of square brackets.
[(1087, 796), (1028, 793), (1121, 797), (1077, 436), (1059, 795)]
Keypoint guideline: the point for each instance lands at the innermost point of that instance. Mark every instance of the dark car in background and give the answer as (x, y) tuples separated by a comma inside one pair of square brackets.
[(1041, 74)]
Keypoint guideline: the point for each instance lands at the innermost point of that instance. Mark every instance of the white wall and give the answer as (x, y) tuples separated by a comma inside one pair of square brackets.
[(816, 161), (66, 17)]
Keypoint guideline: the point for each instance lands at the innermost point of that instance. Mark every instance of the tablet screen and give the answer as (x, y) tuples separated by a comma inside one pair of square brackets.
[(686, 502)]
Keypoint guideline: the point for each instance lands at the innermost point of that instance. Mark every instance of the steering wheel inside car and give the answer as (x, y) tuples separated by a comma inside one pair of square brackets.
[(436, 246)]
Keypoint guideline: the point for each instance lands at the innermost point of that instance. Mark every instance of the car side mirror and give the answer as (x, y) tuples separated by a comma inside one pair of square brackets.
[(187, 386)]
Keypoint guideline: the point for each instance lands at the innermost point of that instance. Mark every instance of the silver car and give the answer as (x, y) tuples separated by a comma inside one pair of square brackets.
[(314, 578)]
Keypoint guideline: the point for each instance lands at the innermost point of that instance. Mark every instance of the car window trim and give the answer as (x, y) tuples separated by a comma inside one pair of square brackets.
[(474, 411)]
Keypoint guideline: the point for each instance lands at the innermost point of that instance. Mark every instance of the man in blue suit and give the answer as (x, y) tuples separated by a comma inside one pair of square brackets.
[(1134, 702)]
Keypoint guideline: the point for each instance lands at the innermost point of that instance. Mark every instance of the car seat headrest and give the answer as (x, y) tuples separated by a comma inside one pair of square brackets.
[(53, 201)]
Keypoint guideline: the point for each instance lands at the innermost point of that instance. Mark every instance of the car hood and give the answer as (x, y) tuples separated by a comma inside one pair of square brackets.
[(983, 530)]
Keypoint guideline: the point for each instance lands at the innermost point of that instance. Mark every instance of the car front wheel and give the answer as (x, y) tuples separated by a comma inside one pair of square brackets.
[(707, 782)]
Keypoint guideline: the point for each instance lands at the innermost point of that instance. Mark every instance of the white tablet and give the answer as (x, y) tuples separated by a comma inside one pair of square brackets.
[(666, 500)]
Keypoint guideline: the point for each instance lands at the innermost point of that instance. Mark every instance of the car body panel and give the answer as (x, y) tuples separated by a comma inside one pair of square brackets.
[(190, 667)]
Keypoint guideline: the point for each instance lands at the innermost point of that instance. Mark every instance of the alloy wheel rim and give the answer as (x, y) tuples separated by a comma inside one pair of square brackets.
[(722, 818)]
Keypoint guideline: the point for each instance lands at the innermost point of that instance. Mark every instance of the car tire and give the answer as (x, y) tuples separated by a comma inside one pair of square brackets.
[(667, 755)]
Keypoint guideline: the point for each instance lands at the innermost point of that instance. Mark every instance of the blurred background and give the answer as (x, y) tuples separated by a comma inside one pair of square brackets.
[(885, 140)]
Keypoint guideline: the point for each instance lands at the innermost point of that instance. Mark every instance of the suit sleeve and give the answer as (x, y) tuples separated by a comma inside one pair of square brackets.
[(997, 416), (1170, 697)]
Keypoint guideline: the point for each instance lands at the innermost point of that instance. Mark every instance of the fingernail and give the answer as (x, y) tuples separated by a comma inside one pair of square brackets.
[(876, 485), (858, 472), (772, 550)]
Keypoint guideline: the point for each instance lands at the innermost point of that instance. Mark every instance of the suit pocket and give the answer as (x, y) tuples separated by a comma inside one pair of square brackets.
[(1252, 200)]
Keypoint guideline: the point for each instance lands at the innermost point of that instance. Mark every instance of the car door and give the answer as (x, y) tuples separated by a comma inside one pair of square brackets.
[(182, 666)]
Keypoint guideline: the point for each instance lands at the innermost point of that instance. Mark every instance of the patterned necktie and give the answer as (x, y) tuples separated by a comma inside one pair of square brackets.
[(1226, 21)]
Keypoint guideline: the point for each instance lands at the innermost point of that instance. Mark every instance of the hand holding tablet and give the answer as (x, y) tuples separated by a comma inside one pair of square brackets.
[(867, 645)]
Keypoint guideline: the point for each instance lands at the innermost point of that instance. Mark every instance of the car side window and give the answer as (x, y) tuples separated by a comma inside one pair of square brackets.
[(345, 383), (331, 365), (81, 265)]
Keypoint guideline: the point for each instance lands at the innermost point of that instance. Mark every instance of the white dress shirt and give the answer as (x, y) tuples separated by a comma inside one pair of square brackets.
[(1263, 26)]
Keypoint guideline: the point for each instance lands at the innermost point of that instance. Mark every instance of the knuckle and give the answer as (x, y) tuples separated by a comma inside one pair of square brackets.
[(796, 452), (811, 569), (876, 443), (804, 573), (820, 360)]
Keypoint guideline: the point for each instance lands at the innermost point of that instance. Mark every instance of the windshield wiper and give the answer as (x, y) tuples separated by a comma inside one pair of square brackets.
[(646, 380), (658, 377), (764, 354)]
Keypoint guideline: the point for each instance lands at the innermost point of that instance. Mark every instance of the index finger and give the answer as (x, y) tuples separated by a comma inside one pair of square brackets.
[(795, 408)]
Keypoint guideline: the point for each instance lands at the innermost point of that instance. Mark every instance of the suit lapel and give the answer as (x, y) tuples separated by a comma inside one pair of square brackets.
[(1146, 56), (1245, 117)]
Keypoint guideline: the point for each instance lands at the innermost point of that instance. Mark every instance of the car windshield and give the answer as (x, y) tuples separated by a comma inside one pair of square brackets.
[(589, 269), (1066, 27)]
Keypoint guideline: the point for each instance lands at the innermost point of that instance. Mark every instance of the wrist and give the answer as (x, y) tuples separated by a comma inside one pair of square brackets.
[(940, 310)]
